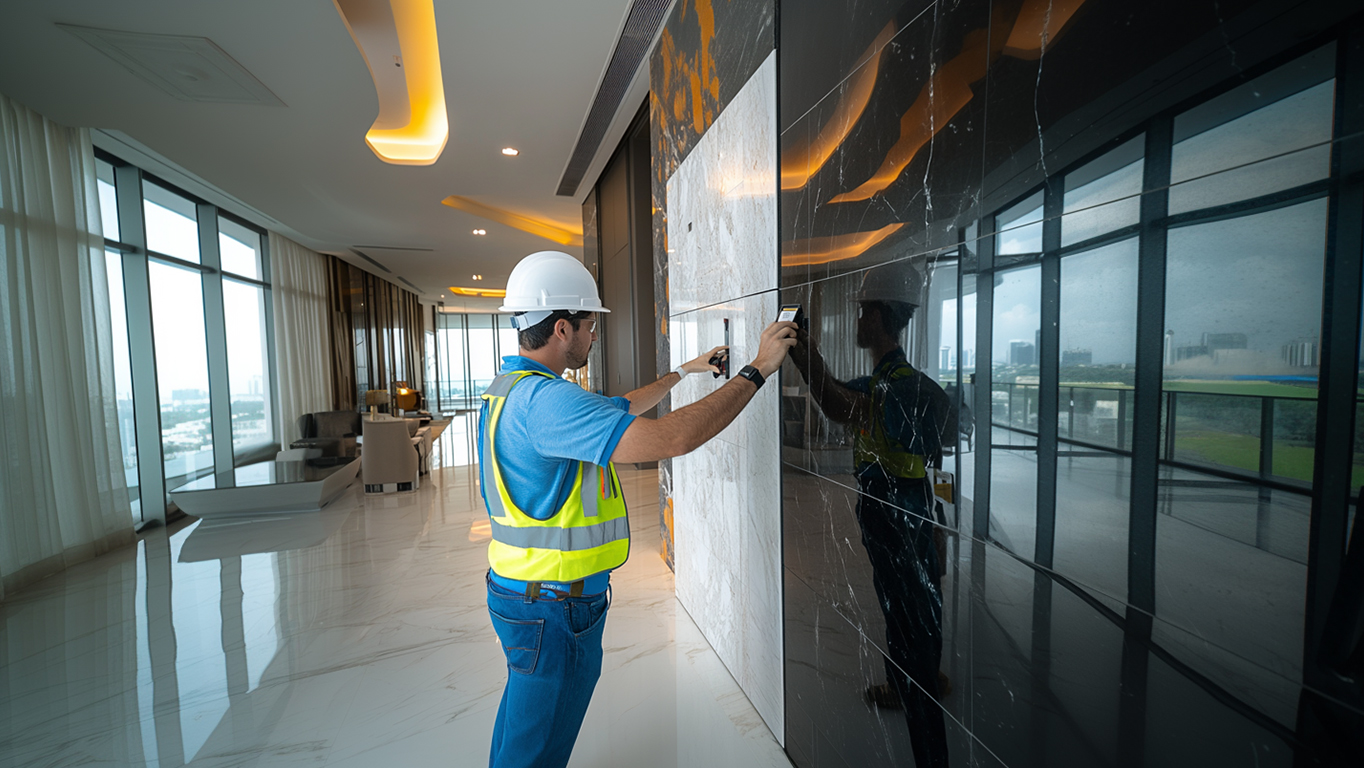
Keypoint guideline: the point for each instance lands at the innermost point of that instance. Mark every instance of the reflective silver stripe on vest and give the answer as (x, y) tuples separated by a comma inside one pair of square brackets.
[(588, 492), (501, 386), (490, 490), (563, 539)]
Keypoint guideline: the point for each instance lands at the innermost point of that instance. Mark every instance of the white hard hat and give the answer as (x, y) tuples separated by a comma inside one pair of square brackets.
[(548, 280), (898, 281)]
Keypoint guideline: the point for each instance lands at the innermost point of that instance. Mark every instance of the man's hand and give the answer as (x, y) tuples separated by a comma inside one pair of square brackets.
[(702, 363), (777, 340)]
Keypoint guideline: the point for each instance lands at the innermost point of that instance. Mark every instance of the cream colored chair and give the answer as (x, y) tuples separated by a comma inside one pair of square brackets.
[(388, 462), (421, 440)]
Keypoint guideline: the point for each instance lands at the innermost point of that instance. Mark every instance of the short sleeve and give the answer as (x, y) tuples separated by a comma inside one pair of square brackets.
[(572, 423)]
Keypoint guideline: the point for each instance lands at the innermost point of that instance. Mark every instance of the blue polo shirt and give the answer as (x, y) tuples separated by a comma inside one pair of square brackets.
[(546, 427)]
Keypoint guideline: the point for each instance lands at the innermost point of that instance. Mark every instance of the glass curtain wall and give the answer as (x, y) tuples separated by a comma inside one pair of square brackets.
[(248, 359), (118, 318), (1231, 200), (167, 252), (469, 352)]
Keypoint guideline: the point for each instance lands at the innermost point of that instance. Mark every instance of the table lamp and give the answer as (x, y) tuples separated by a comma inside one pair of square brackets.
[(407, 397), (375, 398)]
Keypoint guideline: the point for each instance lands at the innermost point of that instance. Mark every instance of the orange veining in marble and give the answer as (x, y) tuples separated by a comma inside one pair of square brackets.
[(822, 250)]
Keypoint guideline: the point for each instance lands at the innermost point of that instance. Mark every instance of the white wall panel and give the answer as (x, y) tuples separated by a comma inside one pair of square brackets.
[(722, 264)]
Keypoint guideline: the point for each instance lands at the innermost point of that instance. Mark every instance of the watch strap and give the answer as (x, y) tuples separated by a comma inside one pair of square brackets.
[(753, 375)]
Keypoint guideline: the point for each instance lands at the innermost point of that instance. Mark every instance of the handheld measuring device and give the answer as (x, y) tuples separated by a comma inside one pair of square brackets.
[(792, 313)]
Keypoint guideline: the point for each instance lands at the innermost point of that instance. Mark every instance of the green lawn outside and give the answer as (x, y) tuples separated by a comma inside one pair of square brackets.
[(1243, 452), (1248, 388), (1244, 388)]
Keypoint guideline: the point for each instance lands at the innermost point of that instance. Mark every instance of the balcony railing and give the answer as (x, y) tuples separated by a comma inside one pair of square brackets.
[(1266, 437)]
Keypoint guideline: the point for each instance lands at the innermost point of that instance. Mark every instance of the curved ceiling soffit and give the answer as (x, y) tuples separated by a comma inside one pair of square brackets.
[(398, 40)]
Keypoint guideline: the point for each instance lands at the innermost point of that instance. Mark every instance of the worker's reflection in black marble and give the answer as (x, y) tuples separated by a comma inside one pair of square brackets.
[(899, 419)]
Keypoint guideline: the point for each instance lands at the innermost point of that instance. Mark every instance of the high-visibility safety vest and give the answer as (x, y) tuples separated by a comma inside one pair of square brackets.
[(872, 446), (588, 535)]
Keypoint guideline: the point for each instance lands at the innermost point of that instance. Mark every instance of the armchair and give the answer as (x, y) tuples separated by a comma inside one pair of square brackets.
[(388, 462)]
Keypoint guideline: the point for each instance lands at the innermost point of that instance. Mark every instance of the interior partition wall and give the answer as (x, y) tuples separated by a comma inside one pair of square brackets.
[(193, 339), (1143, 298), (618, 249)]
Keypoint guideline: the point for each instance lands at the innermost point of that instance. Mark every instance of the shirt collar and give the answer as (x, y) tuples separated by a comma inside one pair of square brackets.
[(519, 363)]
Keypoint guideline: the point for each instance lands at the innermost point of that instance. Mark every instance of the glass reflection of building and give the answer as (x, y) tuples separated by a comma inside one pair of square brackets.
[(1156, 281)]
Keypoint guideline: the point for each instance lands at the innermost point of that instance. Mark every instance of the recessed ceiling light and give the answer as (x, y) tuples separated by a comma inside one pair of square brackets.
[(511, 151), (478, 277), (480, 231)]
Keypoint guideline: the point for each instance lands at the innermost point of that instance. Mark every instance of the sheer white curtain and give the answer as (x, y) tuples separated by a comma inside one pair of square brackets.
[(63, 496), (298, 279)]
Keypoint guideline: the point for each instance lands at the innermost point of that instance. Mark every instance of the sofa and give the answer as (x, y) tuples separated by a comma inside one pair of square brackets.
[(332, 432)]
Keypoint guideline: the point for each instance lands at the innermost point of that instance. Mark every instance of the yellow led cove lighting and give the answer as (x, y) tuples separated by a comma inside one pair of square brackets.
[(486, 293), (548, 230), (398, 41)]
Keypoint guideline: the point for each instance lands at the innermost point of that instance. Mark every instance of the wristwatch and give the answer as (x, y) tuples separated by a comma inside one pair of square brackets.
[(752, 374)]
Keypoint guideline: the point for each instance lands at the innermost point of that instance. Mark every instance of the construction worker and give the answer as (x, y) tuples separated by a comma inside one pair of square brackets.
[(559, 526), (900, 419)]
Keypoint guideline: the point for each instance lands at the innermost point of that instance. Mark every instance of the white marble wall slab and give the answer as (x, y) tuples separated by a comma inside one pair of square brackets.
[(722, 203), (722, 264)]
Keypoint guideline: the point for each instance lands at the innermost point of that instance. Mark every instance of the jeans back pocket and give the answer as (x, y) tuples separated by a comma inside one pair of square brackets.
[(520, 641)]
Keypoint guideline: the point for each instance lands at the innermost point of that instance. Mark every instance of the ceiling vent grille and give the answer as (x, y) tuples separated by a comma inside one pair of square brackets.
[(366, 257), (641, 26), (188, 68)]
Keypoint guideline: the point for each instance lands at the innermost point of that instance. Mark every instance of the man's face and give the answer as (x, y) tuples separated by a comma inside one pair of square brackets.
[(580, 341)]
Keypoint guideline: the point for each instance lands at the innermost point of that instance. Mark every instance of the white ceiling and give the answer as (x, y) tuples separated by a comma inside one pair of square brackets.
[(518, 73)]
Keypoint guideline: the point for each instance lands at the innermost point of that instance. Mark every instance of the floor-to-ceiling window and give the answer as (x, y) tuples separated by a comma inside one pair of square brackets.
[(1230, 198), (118, 319), (248, 359), (469, 352), (178, 330), (185, 279)]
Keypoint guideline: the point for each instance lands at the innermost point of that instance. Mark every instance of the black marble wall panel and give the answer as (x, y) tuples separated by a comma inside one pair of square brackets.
[(707, 52), (1086, 597)]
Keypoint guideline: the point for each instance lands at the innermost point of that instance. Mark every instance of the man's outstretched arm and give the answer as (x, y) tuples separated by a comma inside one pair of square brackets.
[(686, 429), (643, 400), (838, 403)]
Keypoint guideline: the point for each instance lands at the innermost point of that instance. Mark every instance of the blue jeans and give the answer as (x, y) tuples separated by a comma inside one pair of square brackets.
[(553, 650)]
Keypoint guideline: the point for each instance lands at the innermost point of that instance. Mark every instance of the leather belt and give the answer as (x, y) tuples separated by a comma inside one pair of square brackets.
[(535, 588)]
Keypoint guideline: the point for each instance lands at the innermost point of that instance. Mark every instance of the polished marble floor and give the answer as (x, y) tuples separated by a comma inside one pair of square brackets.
[(355, 636)]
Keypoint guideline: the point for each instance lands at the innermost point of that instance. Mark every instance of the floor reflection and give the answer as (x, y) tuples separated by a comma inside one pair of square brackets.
[(354, 636)]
